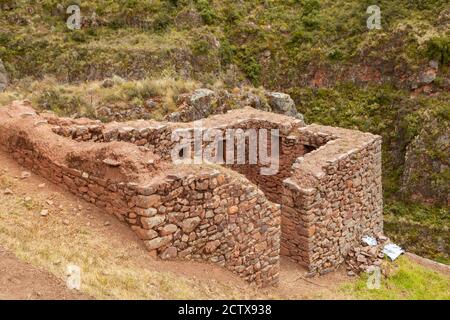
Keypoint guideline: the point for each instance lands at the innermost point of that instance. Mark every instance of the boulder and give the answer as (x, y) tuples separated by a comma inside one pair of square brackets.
[(193, 106), (282, 103), (204, 102), (201, 101)]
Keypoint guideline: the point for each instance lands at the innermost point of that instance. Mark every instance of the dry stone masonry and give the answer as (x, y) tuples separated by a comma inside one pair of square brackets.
[(324, 198)]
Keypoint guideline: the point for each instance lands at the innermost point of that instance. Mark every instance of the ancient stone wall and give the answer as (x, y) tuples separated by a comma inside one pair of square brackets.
[(209, 214), (324, 198), (333, 199), (157, 137)]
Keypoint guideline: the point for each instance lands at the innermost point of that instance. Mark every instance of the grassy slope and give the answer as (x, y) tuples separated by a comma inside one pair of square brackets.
[(408, 281), (139, 39), (158, 35)]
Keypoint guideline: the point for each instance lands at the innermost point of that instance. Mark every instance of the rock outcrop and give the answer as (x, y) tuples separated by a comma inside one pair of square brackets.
[(427, 166), (194, 106), (4, 80), (204, 102), (282, 103)]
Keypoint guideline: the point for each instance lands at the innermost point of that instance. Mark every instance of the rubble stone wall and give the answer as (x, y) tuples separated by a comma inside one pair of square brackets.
[(333, 199), (157, 138), (325, 197), (206, 214), (290, 149)]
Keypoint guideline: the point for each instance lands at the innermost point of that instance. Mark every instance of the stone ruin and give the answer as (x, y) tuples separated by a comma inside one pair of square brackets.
[(326, 195)]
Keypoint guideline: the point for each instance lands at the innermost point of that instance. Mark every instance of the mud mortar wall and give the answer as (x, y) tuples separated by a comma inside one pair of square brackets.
[(328, 186), (211, 214), (157, 138), (333, 199)]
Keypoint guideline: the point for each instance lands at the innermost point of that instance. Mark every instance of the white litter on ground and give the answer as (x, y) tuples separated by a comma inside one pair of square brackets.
[(371, 241), (393, 251), (73, 277)]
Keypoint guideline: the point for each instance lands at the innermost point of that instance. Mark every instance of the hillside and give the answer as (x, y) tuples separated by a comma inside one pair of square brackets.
[(394, 82)]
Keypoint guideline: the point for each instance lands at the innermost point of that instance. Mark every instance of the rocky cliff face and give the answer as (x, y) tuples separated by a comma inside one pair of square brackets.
[(426, 170), (4, 81)]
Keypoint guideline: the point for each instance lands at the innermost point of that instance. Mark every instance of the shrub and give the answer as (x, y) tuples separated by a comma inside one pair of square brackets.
[(335, 55), (310, 23), (250, 65), (206, 12), (200, 47), (310, 6), (300, 36), (439, 49), (59, 102), (78, 36), (226, 52), (161, 22)]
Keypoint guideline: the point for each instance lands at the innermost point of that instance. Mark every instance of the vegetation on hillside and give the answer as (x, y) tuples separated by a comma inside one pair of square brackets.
[(202, 38)]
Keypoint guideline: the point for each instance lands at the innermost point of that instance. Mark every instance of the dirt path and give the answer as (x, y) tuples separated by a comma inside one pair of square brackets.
[(22, 281), (114, 262)]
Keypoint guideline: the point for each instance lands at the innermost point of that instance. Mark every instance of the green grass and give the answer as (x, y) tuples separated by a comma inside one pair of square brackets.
[(419, 228), (427, 215), (409, 281)]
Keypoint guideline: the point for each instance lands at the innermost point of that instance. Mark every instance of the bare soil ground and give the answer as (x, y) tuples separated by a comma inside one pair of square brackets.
[(115, 265), (22, 281)]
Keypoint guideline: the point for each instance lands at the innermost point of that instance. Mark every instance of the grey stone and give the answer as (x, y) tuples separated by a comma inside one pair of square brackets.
[(428, 76), (282, 103), (195, 106)]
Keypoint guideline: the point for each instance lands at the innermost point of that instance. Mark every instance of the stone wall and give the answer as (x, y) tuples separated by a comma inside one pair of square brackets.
[(333, 199), (207, 213), (157, 138), (325, 197)]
